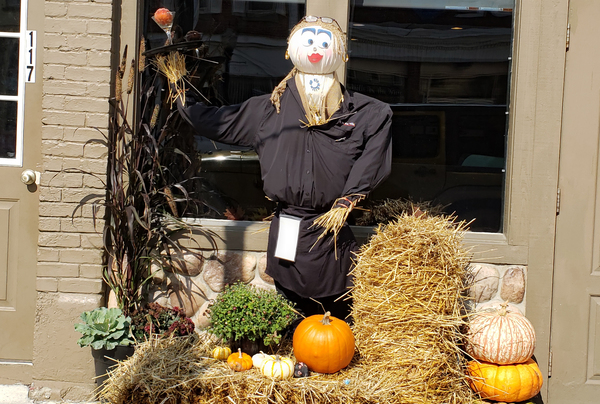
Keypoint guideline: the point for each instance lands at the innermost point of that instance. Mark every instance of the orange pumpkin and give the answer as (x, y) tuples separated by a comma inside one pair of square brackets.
[(509, 383), (324, 343), (239, 361), (500, 336), (163, 16)]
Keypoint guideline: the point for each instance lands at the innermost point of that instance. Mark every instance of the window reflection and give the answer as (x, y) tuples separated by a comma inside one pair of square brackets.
[(445, 73), (234, 50), (8, 129), (10, 15), (9, 66)]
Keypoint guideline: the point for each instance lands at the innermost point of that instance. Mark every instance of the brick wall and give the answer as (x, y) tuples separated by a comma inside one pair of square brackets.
[(77, 83)]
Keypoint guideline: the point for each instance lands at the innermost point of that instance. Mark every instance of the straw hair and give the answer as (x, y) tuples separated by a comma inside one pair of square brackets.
[(172, 66), (407, 290)]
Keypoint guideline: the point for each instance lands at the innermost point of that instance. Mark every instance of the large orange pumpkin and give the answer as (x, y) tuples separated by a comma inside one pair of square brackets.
[(509, 383), (324, 343), (500, 336)]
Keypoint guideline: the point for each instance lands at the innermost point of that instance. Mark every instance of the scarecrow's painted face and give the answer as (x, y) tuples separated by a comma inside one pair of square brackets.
[(315, 50)]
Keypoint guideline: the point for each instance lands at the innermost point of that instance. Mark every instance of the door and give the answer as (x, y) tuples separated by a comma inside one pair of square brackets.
[(20, 144), (575, 332)]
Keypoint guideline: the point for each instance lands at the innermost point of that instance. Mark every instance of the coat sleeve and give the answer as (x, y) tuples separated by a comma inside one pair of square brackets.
[(235, 124), (375, 163)]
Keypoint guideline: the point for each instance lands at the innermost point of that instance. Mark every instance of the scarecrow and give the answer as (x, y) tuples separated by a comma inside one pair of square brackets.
[(321, 149)]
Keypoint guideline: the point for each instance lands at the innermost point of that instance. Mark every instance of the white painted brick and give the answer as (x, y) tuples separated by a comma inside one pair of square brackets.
[(86, 104), (54, 72), (97, 120), (55, 8), (99, 27), (52, 41), (88, 74), (98, 90), (53, 102), (52, 132), (51, 117), (100, 59), (65, 25), (90, 10), (65, 87), (51, 163), (59, 240), (62, 57), (88, 42)]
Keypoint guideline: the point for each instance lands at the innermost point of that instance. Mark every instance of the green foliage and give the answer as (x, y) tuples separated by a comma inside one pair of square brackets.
[(244, 311), (158, 320), (104, 328)]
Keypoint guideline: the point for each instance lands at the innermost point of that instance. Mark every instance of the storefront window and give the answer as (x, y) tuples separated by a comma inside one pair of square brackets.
[(234, 50), (444, 68)]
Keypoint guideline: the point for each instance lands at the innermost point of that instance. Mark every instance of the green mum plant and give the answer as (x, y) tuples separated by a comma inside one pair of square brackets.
[(104, 328), (244, 311)]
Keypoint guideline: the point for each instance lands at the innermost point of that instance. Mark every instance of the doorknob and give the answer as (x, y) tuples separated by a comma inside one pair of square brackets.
[(29, 177)]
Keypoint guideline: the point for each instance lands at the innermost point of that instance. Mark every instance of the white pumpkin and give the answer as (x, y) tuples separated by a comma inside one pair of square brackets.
[(278, 368), (500, 336), (259, 358)]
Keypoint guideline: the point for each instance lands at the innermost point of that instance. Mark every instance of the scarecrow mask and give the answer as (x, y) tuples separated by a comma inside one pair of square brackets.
[(317, 45)]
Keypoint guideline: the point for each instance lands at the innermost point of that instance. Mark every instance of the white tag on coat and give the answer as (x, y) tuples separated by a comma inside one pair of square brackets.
[(287, 238)]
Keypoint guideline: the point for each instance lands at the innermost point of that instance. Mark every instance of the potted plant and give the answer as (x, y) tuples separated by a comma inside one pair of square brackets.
[(250, 318), (156, 320), (108, 333)]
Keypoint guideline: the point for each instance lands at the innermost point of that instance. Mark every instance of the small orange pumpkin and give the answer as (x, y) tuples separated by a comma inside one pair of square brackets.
[(509, 383), (239, 361), (324, 343)]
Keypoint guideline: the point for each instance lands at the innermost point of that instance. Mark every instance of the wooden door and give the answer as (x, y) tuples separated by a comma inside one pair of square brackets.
[(575, 329), (20, 143)]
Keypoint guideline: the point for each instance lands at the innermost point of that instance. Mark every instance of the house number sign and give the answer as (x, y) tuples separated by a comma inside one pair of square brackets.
[(30, 57)]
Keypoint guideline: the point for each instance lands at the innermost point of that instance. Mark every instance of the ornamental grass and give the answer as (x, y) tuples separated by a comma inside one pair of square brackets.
[(408, 317)]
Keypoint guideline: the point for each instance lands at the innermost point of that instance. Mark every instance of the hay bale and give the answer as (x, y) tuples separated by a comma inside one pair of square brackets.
[(408, 311), (407, 314)]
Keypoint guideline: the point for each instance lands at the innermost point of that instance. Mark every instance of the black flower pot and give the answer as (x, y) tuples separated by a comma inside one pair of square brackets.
[(249, 347), (105, 359)]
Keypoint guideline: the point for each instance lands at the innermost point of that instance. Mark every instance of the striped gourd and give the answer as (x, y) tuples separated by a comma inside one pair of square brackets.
[(500, 336), (278, 367)]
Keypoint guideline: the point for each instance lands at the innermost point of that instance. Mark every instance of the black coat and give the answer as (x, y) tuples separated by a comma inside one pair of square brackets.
[(305, 169)]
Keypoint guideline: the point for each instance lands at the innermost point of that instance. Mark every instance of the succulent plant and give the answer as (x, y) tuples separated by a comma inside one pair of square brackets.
[(104, 328)]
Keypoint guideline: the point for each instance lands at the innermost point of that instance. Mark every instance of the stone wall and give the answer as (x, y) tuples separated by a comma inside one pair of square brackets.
[(494, 284), (192, 282), (77, 42)]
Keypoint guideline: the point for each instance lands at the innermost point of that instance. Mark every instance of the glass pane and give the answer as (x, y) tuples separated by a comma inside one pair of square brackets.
[(10, 15), (9, 66), (234, 50), (8, 129), (445, 73)]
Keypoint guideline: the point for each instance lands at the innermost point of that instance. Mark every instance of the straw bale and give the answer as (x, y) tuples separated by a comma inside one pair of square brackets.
[(408, 310), (407, 321)]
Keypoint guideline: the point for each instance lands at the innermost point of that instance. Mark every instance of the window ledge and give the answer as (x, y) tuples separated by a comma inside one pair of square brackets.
[(253, 236)]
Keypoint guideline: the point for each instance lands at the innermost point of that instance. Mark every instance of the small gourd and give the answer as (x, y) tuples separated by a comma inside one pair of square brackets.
[(259, 358), (239, 361), (300, 369), (278, 367), (221, 353)]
